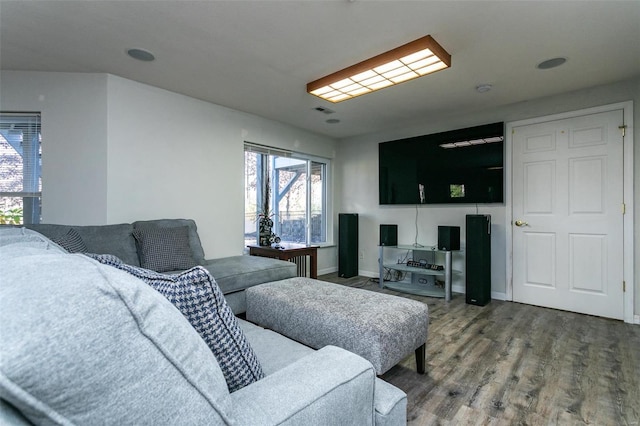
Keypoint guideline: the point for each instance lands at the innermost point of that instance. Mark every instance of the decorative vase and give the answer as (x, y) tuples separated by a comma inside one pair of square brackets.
[(265, 231)]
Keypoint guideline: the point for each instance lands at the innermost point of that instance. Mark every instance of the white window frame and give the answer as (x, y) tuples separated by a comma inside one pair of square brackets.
[(32, 162), (327, 219)]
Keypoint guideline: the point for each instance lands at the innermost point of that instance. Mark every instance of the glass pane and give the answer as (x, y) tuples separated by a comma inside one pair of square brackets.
[(318, 203), (251, 192), (290, 198), (20, 166)]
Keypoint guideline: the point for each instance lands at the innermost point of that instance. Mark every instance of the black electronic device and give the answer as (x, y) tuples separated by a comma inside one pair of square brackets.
[(347, 245), (454, 167), (448, 238), (388, 235), (478, 259)]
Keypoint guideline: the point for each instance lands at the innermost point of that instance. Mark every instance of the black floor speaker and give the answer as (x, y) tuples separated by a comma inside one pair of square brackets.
[(388, 235), (347, 245), (478, 259)]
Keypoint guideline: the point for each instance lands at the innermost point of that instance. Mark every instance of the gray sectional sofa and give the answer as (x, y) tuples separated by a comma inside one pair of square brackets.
[(233, 274), (86, 343)]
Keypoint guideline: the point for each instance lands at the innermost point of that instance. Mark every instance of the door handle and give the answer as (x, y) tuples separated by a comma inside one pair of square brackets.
[(521, 223)]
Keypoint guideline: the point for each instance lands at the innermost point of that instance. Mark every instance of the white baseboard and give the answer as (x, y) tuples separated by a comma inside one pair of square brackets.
[(498, 296), (636, 319), (458, 289), (327, 271), (455, 288)]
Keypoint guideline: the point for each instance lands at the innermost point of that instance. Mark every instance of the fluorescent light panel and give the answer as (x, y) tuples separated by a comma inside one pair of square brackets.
[(412, 60)]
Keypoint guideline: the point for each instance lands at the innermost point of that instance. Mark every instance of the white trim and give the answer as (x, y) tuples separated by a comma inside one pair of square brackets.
[(628, 219), (327, 270), (508, 213), (499, 296), (628, 253), (369, 274)]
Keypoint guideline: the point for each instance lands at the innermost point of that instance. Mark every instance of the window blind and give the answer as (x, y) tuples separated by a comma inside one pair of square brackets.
[(20, 164)]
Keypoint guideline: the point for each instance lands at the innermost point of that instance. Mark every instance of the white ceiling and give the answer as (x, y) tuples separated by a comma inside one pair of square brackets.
[(258, 56)]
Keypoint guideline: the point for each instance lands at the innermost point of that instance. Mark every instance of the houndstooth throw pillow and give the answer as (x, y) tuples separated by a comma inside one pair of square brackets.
[(71, 242), (164, 249), (197, 296)]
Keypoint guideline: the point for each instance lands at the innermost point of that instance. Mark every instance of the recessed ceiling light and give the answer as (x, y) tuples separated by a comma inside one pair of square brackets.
[(551, 63), (141, 55)]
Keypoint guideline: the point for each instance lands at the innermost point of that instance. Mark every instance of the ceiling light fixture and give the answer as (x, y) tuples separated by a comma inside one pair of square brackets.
[(460, 144), (415, 59), (551, 63), (141, 55)]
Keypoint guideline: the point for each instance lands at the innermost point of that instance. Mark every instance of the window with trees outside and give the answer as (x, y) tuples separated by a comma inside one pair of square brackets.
[(20, 165), (297, 196)]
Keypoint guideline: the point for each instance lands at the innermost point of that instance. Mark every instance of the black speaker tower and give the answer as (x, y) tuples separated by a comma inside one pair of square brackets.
[(478, 259), (347, 245)]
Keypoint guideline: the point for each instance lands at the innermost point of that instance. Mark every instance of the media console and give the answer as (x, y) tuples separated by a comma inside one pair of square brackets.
[(422, 279)]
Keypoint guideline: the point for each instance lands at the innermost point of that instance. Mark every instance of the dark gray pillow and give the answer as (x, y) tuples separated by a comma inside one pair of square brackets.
[(164, 249), (71, 242), (196, 294)]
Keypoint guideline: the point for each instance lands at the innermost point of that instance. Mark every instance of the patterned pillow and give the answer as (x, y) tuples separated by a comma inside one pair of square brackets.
[(164, 249), (71, 242), (197, 296)]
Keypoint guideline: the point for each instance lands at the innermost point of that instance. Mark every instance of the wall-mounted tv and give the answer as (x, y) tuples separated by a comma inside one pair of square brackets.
[(454, 167)]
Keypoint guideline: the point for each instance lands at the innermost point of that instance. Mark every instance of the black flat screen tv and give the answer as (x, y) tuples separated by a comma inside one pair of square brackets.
[(454, 167)]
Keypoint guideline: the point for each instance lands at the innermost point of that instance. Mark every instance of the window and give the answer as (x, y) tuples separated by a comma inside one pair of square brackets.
[(20, 165), (298, 194)]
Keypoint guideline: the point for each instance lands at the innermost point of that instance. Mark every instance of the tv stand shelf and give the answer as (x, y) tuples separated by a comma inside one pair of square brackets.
[(418, 288)]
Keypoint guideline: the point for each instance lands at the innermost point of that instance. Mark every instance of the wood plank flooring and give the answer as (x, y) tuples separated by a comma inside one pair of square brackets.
[(514, 364)]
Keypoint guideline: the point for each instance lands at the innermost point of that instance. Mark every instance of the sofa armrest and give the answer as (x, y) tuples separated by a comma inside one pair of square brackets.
[(329, 386)]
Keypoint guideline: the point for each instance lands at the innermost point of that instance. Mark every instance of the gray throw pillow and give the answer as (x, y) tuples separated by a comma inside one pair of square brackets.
[(197, 296), (71, 242), (85, 344), (164, 249)]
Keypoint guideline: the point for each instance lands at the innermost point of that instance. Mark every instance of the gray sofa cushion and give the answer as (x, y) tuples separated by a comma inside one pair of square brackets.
[(104, 239), (196, 294), (164, 249), (237, 273), (194, 238), (276, 352), (84, 343), (20, 238)]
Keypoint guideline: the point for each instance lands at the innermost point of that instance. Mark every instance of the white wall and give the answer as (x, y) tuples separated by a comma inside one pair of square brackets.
[(357, 174), (116, 151), (74, 123), (174, 156)]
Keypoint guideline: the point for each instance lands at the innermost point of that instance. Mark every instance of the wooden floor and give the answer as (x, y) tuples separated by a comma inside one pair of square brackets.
[(514, 364)]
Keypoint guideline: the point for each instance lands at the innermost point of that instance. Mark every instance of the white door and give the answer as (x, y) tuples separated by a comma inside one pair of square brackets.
[(567, 214)]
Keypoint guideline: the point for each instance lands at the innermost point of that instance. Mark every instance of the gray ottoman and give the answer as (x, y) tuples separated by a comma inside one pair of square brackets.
[(381, 328)]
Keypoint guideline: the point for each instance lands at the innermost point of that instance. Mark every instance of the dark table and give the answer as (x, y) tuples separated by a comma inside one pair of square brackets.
[(295, 253)]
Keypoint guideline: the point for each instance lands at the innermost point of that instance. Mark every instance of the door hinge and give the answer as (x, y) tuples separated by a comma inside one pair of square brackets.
[(623, 129), (624, 208), (624, 286)]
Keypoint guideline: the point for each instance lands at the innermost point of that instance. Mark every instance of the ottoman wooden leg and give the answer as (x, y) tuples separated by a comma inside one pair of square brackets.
[(420, 358)]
